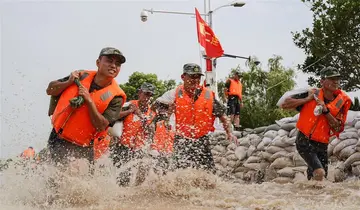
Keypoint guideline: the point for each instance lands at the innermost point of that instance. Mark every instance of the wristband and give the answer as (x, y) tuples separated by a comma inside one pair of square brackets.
[(326, 112)]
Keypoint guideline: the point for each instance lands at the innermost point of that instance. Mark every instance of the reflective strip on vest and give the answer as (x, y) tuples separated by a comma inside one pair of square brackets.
[(106, 95), (207, 94)]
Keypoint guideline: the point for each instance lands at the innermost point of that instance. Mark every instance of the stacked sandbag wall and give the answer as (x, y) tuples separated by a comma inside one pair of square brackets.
[(269, 153)]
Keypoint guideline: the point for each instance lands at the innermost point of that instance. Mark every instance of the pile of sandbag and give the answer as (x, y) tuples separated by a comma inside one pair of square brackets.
[(264, 154), (269, 153), (346, 149)]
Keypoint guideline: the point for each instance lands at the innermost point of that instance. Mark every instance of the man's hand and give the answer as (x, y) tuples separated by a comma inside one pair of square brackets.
[(74, 75), (84, 93), (232, 138)]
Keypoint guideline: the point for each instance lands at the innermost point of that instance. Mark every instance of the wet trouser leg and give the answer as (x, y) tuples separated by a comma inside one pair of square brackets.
[(314, 153), (193, 153), (121, 155)]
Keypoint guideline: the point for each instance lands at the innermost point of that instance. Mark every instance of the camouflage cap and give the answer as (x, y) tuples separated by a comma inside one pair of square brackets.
[(329, 72), (147, 88), (192, 69), (112, 51)]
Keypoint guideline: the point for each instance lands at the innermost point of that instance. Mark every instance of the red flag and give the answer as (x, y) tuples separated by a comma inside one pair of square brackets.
[(207, 38)]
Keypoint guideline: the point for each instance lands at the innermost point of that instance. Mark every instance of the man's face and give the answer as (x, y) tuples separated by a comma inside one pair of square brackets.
[(331, 84), (109, 66), (145, 96), (191, 81)]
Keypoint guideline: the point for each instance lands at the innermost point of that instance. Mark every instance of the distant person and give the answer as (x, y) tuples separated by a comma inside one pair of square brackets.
[(233, 94), (75, 128), (195, 111), (28, 154), (323, 114)]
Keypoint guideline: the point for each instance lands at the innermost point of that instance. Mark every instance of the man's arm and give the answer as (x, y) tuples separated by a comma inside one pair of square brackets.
[(337, 123), (56, 87), (111, 113), (165, 101), (293, 103)]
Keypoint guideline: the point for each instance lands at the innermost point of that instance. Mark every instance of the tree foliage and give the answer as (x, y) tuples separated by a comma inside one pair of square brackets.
[(138, 78), (333, 40), (261, 91)]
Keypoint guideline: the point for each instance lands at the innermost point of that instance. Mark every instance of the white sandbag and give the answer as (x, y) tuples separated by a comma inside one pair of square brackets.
[(270, 134), (260, 146), (266, 155), (299, 176), (250, 151), (267, 140), (239, 175), (343, 144), (301, 169), (231, 147), (282, 162), (350, 129), (260, 129), (357, 125), (241, 169), (278, 155), (274, 149), (253, 159), (223, 161), (238, 134), (332, 144), (229, 152), (286, 172), (291, 141), (217, 159), (355, 170), (219, 148), (240, 152), (254, 139), (354, 157), (288, 126), (280, 141), (347, 152), (215, 153), (231, 164), (117, 129), (282, 132), (290, 149), (245, 141), (274, 127), (256, 166), (294, 132), (231, 157), (291, 93), (355, 163), (348, 135)]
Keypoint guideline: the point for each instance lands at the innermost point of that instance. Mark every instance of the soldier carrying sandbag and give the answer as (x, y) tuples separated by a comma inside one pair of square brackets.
[(322, 115)]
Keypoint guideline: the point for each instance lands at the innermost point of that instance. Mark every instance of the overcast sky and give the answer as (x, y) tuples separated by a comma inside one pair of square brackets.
[(42, 41)]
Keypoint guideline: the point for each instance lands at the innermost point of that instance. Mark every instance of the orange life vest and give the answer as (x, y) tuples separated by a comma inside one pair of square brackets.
[(74, 124), (101, 145), (133, 135), (235, 88), (28, 153), (194, 119), (163, 138), (317, 128)]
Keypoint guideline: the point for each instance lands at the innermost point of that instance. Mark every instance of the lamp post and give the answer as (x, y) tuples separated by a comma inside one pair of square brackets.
[(210, 67)]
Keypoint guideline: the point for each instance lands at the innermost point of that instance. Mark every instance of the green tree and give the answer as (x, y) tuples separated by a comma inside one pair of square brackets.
[(333, 40), (261, 91), (138, 78)]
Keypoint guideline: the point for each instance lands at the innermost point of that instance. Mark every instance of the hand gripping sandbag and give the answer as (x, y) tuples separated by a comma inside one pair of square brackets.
[(79, 100)]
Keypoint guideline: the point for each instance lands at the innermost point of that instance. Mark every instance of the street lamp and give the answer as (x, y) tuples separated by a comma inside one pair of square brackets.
[(210, 69)]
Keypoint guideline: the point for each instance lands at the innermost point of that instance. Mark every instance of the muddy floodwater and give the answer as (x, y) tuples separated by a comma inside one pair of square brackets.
[(185, 189)]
